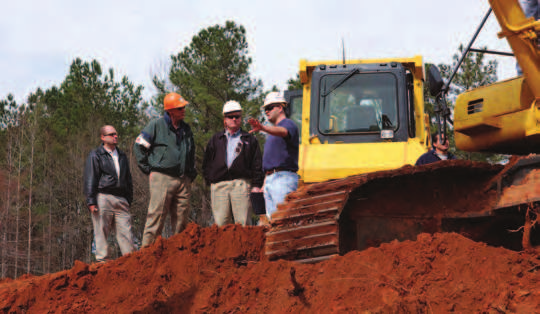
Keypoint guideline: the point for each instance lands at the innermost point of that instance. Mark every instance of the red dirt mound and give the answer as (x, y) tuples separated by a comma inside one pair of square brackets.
[(222, 270)]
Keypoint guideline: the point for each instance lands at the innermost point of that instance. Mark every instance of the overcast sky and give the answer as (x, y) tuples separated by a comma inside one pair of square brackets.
[(40, 39)]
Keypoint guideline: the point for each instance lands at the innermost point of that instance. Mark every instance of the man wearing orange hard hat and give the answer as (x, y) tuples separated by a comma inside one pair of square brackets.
[(165, 150)]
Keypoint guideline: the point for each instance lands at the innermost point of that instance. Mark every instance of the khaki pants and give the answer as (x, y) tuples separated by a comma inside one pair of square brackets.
[(230, 202), (168, 195), (113, 214)]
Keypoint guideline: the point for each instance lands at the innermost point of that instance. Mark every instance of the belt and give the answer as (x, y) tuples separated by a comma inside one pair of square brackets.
[(274, 170)]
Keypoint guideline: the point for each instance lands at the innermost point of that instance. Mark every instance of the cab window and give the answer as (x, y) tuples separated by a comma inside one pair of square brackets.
[(363, 103)]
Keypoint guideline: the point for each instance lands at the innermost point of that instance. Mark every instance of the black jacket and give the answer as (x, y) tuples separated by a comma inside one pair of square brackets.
[(431, 157), (100, 176), (248, 164)]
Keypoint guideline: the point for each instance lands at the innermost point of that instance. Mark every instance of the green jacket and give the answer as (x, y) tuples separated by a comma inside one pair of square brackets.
[(162, 148)]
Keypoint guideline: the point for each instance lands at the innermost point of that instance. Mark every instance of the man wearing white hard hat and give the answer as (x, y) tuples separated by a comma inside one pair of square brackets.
[(280, 159), (232, 165)]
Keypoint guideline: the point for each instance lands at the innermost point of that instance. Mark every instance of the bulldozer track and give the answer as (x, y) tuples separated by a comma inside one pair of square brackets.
[(311, 226)]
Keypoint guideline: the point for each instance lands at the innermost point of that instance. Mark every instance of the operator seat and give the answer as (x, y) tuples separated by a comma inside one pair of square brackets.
[(362, 118)]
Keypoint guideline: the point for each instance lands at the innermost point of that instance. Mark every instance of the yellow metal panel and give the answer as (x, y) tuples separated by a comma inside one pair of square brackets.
[(413, 63), (532, 125), (506, 123), (306, 104), (512, 130), (421, 118), (499, 98), (303, 72), (332, 161)]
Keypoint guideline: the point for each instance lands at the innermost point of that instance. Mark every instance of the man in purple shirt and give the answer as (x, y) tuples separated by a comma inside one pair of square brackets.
[(280, 158)]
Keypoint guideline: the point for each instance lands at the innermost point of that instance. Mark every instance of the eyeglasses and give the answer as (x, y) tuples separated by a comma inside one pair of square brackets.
[(236, 116), (110, 134), (181, 108), (271, 107)]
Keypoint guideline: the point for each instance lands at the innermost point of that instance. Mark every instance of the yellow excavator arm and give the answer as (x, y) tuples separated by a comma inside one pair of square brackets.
[(521, 34), (504, 117)]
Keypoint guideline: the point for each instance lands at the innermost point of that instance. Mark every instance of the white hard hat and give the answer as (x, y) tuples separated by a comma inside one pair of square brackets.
[(231, 106), (274, 98)]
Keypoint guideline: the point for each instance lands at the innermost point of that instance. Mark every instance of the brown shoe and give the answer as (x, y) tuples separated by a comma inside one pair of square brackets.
[(263, 221)]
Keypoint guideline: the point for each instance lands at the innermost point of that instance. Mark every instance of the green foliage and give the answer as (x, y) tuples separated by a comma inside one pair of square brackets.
[(8, 112), (429, 101), (87, 92), (473, 72), (294, 83)]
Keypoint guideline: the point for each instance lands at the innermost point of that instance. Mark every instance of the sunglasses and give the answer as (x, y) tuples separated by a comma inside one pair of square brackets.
[(236, 116), (238, 148), (110, 134), (271, 107), (180, 109)]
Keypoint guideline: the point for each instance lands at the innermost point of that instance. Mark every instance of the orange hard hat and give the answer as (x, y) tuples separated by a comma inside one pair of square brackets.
[(174, 100)]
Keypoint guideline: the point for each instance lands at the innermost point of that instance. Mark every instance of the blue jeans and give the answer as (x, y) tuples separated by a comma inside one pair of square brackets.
[(276, 186), (531, 8)]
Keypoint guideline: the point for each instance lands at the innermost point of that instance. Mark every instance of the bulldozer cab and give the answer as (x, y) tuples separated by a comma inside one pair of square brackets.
[(359, 117)]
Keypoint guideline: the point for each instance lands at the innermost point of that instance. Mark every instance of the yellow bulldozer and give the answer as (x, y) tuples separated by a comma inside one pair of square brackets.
[(363, 126)]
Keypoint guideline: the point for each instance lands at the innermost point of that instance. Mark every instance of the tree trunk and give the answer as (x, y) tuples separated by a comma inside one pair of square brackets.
[(50, 231), (18, 206), (28, 255), (7, 207), (64, 243)]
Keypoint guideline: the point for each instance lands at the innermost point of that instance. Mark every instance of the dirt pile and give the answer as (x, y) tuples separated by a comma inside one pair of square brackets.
[(223, 270)]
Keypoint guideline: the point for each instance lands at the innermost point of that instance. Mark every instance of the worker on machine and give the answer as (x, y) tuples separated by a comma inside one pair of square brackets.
[(439, 152)]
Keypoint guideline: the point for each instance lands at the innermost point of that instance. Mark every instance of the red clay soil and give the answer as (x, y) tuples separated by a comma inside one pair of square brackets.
[(223, 270)]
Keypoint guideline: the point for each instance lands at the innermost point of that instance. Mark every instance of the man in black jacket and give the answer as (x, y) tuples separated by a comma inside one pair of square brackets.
[(109, 191), (232, 165), (438, 153)]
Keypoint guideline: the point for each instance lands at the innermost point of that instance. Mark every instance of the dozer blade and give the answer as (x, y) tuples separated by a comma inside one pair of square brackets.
[(519, 182), (518, 186), (324, 219)]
